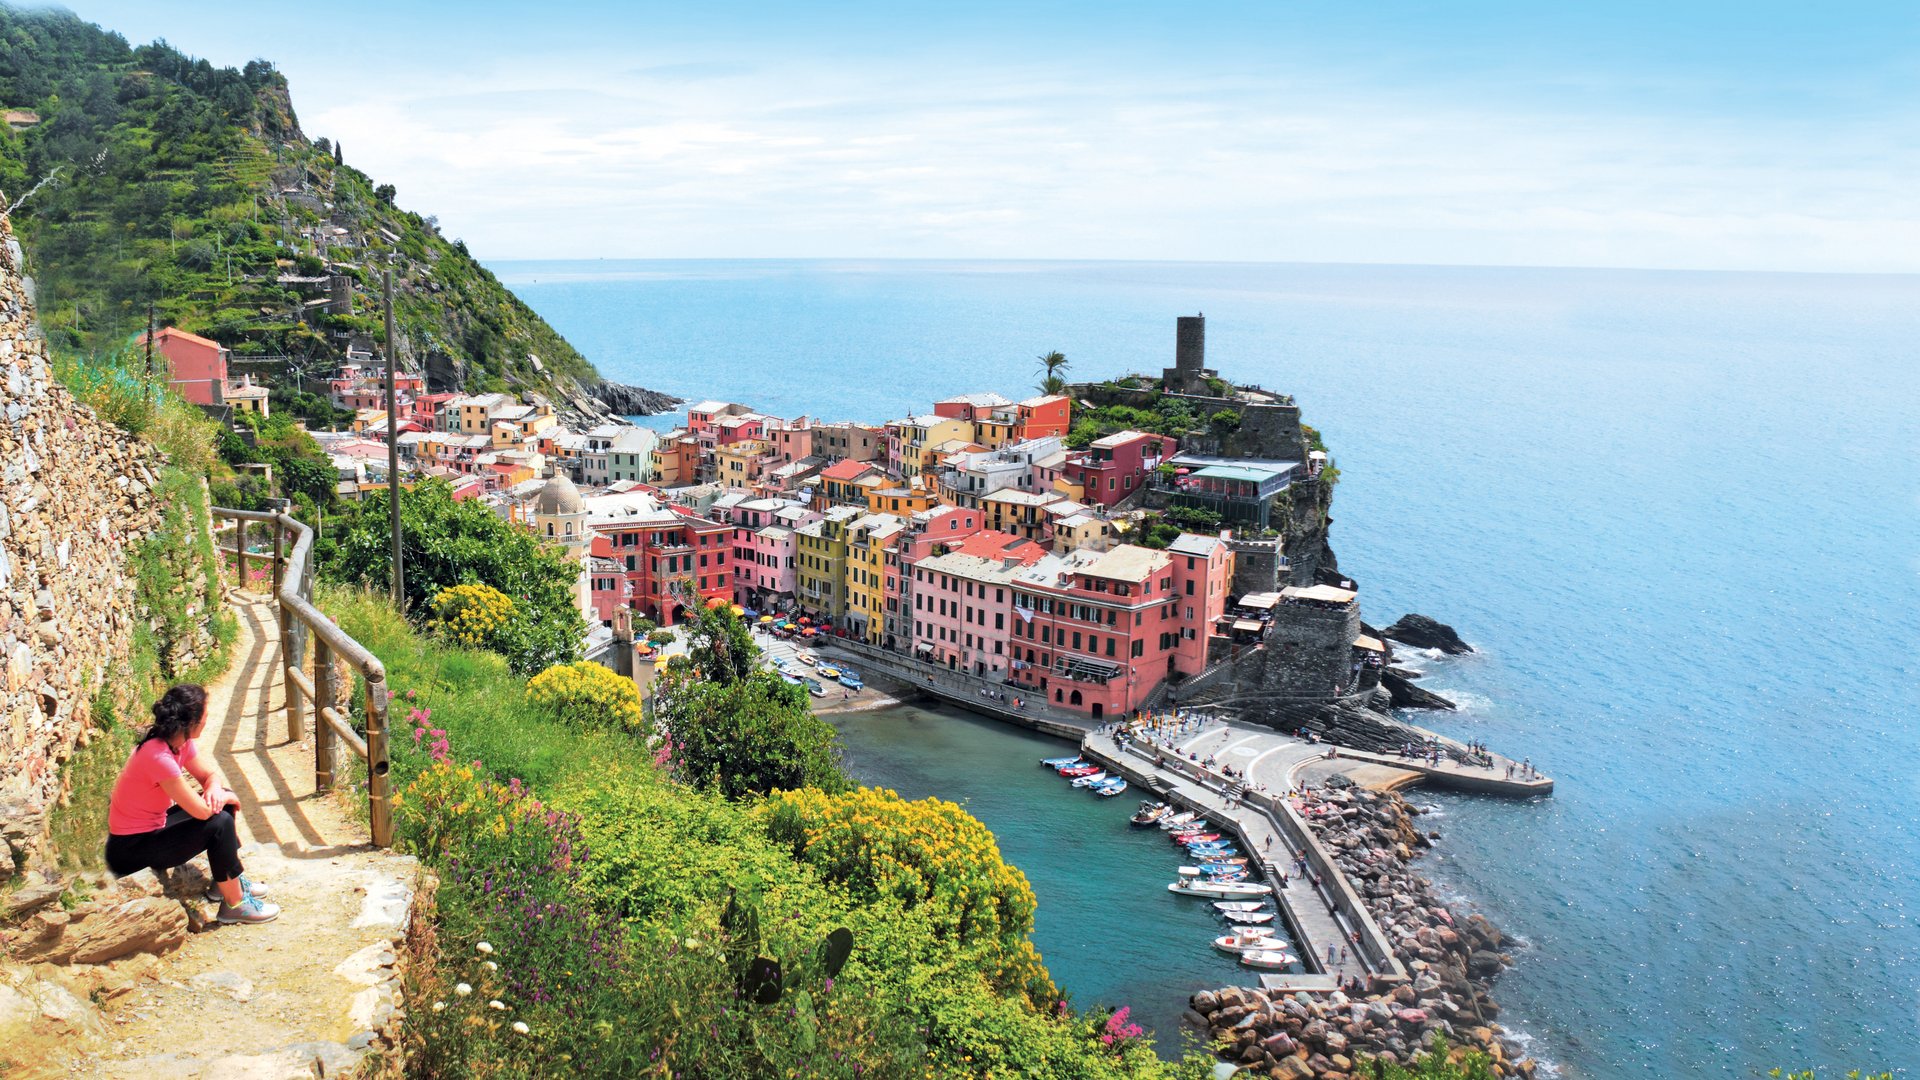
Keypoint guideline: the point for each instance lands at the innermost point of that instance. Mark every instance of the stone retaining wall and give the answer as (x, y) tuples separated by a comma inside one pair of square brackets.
[(73, 499)]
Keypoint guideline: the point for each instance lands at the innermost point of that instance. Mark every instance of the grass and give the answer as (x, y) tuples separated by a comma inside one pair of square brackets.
[(475, 699)]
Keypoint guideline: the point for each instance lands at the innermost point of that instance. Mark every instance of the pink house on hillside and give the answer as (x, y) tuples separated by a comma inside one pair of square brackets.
[(1115, 466), (198, 365)]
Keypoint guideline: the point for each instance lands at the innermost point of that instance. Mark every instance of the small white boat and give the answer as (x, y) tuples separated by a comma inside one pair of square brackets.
[(1219, 890), (1248, 918), (1239, 905), (1175, 821), (1090, 779), (1273, 959), (806, 658), (1243, 941)]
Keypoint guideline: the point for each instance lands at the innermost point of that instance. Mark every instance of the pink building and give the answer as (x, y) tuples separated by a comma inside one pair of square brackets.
[(1115, 466), (1097, 632), (1202, 576), (198, 365), (791, 439), (963, 602), (764, 576)]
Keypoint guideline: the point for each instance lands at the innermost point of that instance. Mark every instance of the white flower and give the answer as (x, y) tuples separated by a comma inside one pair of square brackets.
[(521, 1027), (462, 989), (490, 965), (483, 947), (439, 1006), (692, 943), (496, 1003)]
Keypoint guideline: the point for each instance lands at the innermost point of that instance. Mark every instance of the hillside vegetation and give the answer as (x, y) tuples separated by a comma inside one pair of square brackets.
[(147, 177)]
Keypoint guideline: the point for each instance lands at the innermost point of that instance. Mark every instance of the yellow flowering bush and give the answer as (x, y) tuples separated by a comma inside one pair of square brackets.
[(588, 695), (449, 807), (928, 854), (472, 615)]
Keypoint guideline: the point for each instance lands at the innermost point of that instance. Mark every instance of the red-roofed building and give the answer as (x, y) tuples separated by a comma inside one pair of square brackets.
[(653, 553), (841, 483)]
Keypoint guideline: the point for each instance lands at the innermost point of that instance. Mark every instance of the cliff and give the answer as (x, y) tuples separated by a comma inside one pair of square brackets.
[(151, 179)]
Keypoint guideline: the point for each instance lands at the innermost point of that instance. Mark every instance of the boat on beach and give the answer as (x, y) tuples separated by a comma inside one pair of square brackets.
[(1270, 959)]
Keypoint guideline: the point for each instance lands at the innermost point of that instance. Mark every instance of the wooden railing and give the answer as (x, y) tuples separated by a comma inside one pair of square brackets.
[(292, 592)]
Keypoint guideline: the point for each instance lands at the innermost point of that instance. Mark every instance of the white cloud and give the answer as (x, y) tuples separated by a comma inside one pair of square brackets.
[(557, 157)]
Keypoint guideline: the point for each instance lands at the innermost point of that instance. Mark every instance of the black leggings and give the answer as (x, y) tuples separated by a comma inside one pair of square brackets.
[(183, 837)]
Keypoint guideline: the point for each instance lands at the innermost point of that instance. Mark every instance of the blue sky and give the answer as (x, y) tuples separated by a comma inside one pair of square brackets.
[(1760, 136)]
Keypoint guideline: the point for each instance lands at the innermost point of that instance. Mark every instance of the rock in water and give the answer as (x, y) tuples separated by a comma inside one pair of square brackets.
[(1424, 633), (1408, 696), (627, 400)]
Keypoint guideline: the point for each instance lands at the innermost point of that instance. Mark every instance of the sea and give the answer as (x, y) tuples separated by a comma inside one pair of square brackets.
[(1676, 514)]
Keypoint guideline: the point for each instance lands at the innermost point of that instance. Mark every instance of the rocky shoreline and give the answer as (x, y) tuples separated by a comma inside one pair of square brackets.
[(1451, 965), (624, 400)]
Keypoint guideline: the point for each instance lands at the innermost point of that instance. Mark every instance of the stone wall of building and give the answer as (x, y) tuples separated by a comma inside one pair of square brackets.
[(73, 500)]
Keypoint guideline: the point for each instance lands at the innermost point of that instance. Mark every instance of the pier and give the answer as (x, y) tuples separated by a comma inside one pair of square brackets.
[(1323, 919)]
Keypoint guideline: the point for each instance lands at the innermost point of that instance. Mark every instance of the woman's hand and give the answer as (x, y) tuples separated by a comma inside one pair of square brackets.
[(218, 797)]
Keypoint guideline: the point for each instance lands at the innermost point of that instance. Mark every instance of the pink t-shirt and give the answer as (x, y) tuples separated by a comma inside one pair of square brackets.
[(138, 804)]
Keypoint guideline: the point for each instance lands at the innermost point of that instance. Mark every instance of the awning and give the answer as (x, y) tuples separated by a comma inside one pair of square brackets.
[(1251, 626), (1371, 644), (1259, 601)]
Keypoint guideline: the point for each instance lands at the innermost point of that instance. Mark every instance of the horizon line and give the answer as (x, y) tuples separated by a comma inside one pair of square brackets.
[(1057, 261)]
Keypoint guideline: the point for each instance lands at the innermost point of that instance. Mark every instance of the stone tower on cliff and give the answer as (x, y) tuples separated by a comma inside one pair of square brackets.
[(1189, 373)]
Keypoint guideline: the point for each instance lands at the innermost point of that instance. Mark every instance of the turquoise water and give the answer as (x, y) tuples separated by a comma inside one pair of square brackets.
[(1110, 932), (1678, 513)]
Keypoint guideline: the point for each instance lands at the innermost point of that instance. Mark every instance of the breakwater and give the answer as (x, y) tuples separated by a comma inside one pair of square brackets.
[(1450, 964)]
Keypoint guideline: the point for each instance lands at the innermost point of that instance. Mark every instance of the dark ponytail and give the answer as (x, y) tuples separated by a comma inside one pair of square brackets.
[(177, 712)]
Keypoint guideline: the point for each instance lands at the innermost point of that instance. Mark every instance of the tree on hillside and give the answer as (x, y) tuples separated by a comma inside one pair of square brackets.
[(1051, 365), (445, 542)]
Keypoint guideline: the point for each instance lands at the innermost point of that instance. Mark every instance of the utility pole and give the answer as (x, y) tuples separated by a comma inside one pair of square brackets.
[(393, 445)]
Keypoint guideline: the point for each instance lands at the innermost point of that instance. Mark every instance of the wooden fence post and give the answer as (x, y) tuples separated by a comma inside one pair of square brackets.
[(379, 804), (323, 698)]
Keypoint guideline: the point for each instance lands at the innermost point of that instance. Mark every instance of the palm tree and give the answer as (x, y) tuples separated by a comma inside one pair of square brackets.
[(1051, 365)]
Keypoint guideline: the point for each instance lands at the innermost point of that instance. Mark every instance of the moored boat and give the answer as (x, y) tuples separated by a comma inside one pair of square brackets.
[(1184, 817), (1245, 940), (1239, 905), (1061, 762), (1271, 959), (1248, 918), (1149, 813), (1090, 779), (1218, 889), (1080, 770), (1190, 839), (1110, 787)]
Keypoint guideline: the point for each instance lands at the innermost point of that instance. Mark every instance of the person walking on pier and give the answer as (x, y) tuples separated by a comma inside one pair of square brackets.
[(1330, 951)]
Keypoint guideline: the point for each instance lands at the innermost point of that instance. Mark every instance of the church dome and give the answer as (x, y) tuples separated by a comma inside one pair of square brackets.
[(558, 497)]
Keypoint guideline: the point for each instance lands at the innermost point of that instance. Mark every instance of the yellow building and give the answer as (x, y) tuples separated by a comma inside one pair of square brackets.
[(868, 539), (920, 434), (740, 465), (820, 571), (901, 501)]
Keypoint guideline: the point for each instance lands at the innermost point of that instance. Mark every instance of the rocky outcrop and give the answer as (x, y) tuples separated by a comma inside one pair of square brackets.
[(1405, 695), (1450, 962), (1424, 633), (131, 915), (76, 494), (624, 400)]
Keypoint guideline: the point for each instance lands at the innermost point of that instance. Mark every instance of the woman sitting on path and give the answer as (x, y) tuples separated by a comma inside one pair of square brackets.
[(156, 821)]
